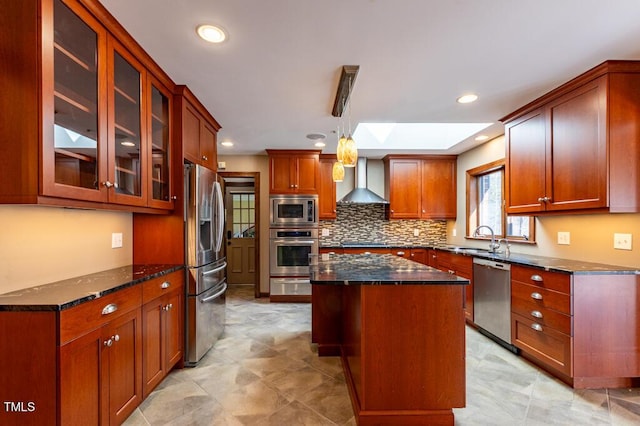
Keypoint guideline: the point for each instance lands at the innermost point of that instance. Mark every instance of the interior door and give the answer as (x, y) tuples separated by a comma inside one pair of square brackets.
[(241, 243)]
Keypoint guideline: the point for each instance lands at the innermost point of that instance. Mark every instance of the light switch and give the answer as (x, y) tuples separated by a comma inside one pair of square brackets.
[(116, 240)]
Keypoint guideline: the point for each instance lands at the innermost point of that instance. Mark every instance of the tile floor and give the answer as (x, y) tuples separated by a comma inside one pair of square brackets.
[(264, 371)]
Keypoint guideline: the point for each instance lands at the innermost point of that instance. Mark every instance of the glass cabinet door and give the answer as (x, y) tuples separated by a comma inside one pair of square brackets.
[(71, 150), (160, 147), (127, 141)]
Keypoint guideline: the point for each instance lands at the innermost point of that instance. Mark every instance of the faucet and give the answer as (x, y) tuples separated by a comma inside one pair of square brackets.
[(507, 250), (493, 245)]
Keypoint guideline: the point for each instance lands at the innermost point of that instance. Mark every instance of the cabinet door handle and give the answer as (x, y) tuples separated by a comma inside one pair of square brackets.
[(536, 314), (536, 278), (108, 343), (544, 199), (536, 296), (107, 184), (165, 284), (109, 309), (115, 338), (205, 158), (536, 326), (452, 272), (424, 211)]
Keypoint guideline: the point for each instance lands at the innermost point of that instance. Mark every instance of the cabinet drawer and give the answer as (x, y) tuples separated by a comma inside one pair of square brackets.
[(156, 287), (87, 316), (528, 308), (549, 280), (540, 298), (545, 344)]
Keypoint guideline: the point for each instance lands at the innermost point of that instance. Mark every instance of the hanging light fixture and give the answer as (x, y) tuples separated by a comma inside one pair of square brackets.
[(350, 152), (338, 171)]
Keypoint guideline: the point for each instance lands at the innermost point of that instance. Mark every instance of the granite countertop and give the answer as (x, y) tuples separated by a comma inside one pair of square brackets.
[(67, 293), (553, 264), (377, 269)]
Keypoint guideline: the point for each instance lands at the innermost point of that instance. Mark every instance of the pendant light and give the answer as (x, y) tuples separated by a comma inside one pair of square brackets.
[(350, 151), (337, 173)]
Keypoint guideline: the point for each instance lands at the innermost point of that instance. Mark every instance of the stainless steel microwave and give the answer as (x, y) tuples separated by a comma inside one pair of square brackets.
[(293, 210)]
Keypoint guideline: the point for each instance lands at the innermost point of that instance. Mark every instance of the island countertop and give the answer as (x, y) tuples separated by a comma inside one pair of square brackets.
[(377, 269)]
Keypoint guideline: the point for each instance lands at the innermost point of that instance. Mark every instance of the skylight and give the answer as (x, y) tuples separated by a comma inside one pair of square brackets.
[(394, 136)]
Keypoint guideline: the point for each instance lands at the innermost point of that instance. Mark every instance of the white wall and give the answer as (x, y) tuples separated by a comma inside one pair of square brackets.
[(591, 235), (40, 245)]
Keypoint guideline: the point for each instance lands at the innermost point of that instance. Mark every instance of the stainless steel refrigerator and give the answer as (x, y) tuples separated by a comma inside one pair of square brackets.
[(205, 261)]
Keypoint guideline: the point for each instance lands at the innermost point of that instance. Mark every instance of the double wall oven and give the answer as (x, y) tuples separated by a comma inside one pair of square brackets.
[(293, 237)]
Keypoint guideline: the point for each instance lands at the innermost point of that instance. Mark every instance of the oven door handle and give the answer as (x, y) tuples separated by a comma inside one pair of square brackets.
[(294, 242), (213, 271), (206, 299)]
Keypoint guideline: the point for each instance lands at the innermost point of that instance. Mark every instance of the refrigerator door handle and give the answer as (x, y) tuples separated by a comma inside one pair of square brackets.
[(206, 299), (213, 271), (220, 225)]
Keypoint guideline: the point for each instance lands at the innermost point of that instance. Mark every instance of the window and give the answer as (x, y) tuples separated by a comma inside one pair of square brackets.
[(244, 213), (485, 202)]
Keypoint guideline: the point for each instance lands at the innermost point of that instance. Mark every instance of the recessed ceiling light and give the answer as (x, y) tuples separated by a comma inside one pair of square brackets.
[(127, 143), (466, 99), (316, 136), (227, 143), (482, 138), (320, 144), (211, 33)]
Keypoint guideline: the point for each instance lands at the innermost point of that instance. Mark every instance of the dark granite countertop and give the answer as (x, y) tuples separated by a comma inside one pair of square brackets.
[(377, 269), (546, 263), (67, 293)]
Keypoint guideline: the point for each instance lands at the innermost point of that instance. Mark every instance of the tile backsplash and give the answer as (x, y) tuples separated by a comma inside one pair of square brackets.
[(367, 223)]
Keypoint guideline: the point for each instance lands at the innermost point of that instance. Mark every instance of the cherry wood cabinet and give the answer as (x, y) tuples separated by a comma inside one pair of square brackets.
[(576, 148), (326, 188), (460, 265), (79, 106), (421, 187), (580, 327), (162, 328), (294, 172), (198, 129)]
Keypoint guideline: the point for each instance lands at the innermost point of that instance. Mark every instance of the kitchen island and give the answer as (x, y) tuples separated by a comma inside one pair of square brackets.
[(400, 331)]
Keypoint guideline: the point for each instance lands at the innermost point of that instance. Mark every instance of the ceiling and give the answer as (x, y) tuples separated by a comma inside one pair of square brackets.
[(274, 80)]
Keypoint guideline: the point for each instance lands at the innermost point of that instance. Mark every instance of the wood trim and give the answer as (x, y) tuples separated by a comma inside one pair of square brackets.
[(184, 91), (256, 186)]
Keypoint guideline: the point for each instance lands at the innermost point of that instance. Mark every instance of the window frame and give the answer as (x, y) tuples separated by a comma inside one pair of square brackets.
[(473, 176)]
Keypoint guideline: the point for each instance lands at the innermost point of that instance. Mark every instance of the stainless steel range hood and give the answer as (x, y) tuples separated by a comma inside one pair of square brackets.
[(361, 194)]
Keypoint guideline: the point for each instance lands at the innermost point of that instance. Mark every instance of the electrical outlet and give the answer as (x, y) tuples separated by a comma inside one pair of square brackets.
[(564, 238), (116, 240), (454, 232), (325, 232), (622, 241), (416, 232)]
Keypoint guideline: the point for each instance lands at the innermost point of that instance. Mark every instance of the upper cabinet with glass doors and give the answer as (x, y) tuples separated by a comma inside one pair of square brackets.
[(89, 121)]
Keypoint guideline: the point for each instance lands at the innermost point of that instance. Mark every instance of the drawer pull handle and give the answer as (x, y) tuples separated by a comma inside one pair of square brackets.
[(536, 314), (165, 284), (536, 327), (452, 272), (536, 296), (108, 343), (109, 309), (537, 278), (400, 253), (116, 338)]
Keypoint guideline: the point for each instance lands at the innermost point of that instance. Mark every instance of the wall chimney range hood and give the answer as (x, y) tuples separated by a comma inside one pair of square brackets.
[(361, 194)]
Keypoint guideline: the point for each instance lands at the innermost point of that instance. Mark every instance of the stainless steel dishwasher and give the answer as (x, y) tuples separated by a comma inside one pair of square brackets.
[(492, 298)]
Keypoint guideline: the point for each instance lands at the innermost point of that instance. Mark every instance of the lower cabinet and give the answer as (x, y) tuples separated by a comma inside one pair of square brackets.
[(460, 265), (92, 363), (582, 328), (162, 319)]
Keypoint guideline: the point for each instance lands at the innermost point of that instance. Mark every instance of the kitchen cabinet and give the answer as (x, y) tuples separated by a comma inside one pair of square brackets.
[(294, 172), (161, 159), (574, 149), (366, 250), (197, 129), (462, 266), (84, 127), (101, 359), (162, 328), (580, 327), (421, 187), (326, 188)]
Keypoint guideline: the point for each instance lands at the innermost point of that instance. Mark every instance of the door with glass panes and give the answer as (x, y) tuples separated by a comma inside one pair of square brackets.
[(241, 243)]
